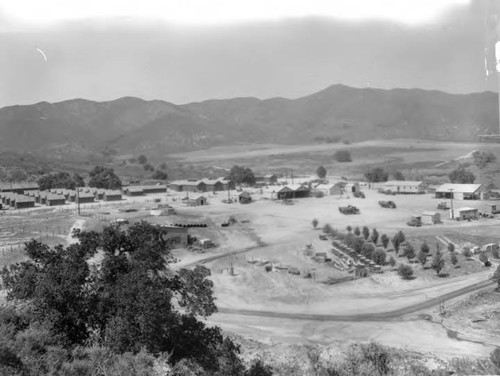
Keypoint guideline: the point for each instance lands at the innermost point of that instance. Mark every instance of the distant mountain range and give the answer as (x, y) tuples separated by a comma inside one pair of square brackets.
[(132, 125)]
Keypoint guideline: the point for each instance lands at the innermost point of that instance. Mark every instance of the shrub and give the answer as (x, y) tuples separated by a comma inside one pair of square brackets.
[(405, 271), (425, 247), (342, 156), (321, 172), (437, 262), (315, 223), (392, 261), (376, 174)]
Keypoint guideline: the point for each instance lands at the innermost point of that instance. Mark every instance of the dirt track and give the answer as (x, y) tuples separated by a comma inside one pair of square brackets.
[(380, 316)]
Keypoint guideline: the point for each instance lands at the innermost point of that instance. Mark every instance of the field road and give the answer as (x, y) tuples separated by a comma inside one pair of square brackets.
[(379, 316)]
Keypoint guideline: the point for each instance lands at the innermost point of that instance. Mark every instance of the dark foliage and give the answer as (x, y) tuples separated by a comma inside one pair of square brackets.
[(60, 180), (461, 176), (127, 303), (342, 156), (241, 175), (102, 177), (160, 175), (321, 172), (376, 174)]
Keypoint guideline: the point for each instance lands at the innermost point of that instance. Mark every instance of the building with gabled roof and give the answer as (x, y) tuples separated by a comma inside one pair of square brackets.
[(460, 191), (404, 186)]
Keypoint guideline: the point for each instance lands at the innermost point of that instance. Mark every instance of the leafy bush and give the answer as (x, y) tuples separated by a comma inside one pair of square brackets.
[(342, 156), (405, 271), (376, 174), (461, 175)]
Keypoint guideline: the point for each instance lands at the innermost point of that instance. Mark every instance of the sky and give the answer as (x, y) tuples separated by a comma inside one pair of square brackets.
[(191, 50)]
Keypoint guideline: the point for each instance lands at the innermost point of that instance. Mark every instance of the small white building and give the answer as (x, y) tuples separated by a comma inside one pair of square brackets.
[(464, 214), (430, 217)]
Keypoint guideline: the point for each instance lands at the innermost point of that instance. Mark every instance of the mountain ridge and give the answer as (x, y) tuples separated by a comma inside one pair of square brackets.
[(132, 125)]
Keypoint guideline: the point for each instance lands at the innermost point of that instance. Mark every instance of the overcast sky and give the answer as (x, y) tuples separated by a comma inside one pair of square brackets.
[(192, 50)]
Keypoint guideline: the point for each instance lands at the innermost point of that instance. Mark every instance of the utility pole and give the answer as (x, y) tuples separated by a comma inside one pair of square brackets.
[(452, 214), (78, 199)]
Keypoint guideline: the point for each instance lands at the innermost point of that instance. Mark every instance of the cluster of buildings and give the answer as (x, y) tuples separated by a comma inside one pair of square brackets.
[(201, 185), (20, 196)]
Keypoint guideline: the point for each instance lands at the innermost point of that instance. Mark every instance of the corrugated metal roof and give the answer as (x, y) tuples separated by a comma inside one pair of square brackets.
[(459, 188)]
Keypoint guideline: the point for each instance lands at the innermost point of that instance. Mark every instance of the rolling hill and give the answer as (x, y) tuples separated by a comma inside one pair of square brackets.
[(132, 125)]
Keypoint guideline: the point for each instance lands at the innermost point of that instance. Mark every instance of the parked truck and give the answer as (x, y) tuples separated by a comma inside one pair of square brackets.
[(387, 204)]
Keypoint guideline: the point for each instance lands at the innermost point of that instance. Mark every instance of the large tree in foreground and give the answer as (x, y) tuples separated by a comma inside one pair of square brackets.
[(128, 301)]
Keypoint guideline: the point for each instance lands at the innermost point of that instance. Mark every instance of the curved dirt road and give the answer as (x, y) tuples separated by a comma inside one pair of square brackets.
[(380, 316)]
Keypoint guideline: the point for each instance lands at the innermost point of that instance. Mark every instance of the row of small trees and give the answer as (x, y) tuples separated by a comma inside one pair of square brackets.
[(365, 242)]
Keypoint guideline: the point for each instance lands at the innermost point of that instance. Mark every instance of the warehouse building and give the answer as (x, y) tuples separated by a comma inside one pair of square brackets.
[(460, 191)]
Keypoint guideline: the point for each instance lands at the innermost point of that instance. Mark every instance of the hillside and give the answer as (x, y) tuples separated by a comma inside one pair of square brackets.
[(131, 125)]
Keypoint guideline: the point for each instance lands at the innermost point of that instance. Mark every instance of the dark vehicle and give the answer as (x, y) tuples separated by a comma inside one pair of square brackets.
[(348, 210), (387, 204), (359, 194)]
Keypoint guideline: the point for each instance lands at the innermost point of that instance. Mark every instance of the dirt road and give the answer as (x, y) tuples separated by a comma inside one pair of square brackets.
[(379, 316)]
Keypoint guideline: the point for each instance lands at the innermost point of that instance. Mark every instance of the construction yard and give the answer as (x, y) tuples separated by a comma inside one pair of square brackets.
[(275, 279)]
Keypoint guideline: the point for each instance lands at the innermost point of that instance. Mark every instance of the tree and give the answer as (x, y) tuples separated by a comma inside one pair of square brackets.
[(142, 159), (102, 177), (422, 257), (405, 271), (397, 240), (483, 158), (321, 172), (241, 175), (454, 258), (438, 262), (148, 167), (392, 261), (357, 231), (163, 166), (258, 368), (376, 174), (384, 239), (379, 256), (368, 250), (128, 300), (374, 236), (496, 277), (461, 175), (408, 250), (398, 175), (160, 175), (342, 156), (467, 253), (425, 247), (60, 180), (451, 247), (349, 228), (315, 223), (79, 182), (327, 229), (366, 232)]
